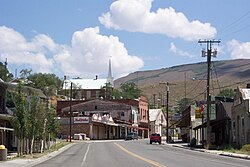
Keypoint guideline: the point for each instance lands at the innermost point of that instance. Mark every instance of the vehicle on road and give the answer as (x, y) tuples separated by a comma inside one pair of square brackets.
[(132, 136), (155, 138)]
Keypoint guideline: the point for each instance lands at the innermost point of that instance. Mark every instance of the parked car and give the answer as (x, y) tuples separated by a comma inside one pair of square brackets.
[(156, 138), (132, 136)]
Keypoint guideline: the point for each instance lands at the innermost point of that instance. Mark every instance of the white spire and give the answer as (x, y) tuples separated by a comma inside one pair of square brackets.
[(110, 78)]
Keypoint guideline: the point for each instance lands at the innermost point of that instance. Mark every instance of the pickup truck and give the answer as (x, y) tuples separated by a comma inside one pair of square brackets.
[(156, 138)]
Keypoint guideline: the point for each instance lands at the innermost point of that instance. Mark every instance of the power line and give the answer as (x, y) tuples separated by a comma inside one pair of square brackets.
[(217, 79), (241, 18)]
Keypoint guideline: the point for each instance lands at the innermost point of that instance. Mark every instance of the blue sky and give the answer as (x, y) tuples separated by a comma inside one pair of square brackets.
[(76, 38)]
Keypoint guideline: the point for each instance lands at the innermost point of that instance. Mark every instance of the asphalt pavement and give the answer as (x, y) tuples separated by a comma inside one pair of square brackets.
[(22, 162)]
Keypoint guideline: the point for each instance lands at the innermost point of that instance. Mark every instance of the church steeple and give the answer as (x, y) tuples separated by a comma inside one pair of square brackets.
[(110, 78)]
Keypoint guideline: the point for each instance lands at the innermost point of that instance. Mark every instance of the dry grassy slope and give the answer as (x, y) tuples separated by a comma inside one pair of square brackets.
[(228, 72)]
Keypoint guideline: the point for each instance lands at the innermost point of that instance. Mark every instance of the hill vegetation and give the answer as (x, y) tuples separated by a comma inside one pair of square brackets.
[(189, 81)]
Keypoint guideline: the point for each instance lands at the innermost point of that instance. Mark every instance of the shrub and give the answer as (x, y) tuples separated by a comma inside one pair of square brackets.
[(246, 148)]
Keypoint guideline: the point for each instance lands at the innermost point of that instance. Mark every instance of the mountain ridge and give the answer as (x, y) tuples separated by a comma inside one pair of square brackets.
[(189, 80)]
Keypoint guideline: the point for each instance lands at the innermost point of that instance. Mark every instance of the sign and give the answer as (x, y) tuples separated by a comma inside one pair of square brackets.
[(81, 120)]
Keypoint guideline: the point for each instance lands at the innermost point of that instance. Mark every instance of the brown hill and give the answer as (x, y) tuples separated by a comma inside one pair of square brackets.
[(189, 80)]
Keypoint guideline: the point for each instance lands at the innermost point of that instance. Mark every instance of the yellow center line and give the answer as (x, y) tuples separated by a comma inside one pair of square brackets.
[(139, 157)]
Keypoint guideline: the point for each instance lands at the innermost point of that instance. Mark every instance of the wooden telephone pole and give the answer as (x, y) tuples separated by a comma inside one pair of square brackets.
[(209, 53)]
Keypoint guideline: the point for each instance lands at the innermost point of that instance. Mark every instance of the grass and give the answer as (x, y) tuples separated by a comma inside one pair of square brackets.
[(244, 150)]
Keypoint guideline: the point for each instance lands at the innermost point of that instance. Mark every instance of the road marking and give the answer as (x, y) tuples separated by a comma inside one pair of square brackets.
[(85, 156), (139, 157)]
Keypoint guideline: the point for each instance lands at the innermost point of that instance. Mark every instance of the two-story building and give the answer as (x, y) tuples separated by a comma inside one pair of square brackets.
[(104, 119), (241, 117), (157, 121)]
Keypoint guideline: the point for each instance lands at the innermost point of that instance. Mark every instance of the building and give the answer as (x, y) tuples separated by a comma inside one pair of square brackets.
[(87, 89), (107, 119), (157, 121), (241, 117)]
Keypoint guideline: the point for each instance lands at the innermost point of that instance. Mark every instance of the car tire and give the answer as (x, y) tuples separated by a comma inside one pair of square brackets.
[(150, 142)]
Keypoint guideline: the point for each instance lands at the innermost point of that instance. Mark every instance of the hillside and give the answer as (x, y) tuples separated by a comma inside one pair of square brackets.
[(190, 80)]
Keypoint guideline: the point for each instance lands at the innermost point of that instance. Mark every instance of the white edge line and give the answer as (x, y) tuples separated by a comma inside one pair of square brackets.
[(85, 156)]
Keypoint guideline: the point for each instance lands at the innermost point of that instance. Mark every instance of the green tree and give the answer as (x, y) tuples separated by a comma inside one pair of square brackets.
[(5, 75), (33, 120), (130, 91), (184, 103), (48, 83), (20, 118), (227, 93)]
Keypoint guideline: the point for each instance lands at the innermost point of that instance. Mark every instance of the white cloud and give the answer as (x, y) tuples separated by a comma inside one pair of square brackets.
[(20, 52), (87, 56), (180, 52), (90, 52), (239, 50), (135, 16)]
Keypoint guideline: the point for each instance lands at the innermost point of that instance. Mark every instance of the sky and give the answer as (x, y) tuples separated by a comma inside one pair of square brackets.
[(77, 38)]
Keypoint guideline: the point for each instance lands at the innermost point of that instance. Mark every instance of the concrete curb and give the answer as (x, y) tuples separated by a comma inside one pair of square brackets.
[(48, 156), (222, 153)]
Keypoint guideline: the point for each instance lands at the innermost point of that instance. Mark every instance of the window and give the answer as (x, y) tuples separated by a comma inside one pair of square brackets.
[(95, 107), (122, 114)]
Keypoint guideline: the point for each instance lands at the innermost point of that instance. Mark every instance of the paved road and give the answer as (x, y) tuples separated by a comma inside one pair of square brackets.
[(136, 154)]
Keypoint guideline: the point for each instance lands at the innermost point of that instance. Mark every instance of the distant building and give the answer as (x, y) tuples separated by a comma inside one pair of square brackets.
[(157, 121), (87, 89), (101, 119)]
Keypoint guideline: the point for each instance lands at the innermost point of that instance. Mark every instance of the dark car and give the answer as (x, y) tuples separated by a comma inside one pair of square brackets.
[(156, 138), (131, 136)]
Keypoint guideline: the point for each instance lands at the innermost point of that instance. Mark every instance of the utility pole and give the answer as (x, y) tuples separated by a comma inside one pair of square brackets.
[(167, 108), (167, 88), (70, 110), (209, 53), (154, 99)]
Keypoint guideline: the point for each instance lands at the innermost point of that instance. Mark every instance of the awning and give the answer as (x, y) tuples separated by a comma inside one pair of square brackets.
[(212, 123)]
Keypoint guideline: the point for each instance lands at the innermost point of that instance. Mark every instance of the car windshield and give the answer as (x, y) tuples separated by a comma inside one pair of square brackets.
[(155, 134)]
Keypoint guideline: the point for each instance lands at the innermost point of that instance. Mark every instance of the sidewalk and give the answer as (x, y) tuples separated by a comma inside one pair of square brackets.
[(218, 152)]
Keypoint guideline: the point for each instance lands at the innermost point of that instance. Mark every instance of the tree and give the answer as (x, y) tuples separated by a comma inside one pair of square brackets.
[(48, 83), (128, 91), (184, 103), (227, 93), (5, 75), (20, 118)]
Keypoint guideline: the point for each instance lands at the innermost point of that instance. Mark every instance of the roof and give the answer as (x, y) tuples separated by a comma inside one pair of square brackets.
[(85, 83), (153, 113)]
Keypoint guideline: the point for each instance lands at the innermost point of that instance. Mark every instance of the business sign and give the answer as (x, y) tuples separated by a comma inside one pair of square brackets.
[(81, 120)]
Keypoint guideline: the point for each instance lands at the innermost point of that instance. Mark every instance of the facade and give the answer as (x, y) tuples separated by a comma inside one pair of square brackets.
[(241, 117), (157, 121), (107, 119), (85, 89)]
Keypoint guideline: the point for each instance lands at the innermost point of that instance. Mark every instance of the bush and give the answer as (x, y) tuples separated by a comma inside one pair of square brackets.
[(246, 148)]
